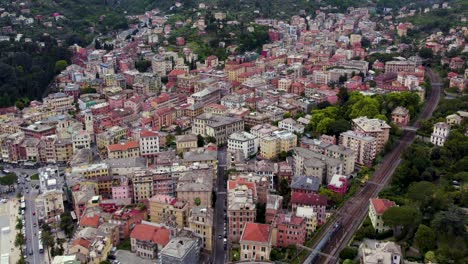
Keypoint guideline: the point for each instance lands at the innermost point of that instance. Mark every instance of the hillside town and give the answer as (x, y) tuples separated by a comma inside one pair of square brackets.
[(199, 159)]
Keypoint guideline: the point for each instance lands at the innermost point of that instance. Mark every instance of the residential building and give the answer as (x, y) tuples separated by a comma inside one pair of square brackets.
[(273, 207), (291, 125), (59, 101), (255, 242), (147, 240), (305, 184), (195, 187), (186, 142), (210, 95), (364, 147), (263, 130), (289, 230), (180, 250), (279, 141), (241, 206), (49, 205), (149, 143), (400, 116), (81, 139), (440, 133), (309, 163), (380, 252), (128, 149), (219, 127), (245, 142), (376, 128), (201, 222), (316, 201), (127, 218), (344, 154), (400, 66), (310, 217), (202, 156), (377, 208), (168, 210)]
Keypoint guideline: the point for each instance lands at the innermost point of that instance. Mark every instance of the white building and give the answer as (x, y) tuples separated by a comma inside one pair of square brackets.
[(149, 143), (291, 125), (245, 142), (49, 205), (377, 252), (440, 133), (80, 140)]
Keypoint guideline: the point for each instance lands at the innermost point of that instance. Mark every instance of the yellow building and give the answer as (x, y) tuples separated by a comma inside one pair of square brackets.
[(167, 209), (91, 171), (201, 222), (377, 208), (99, 249), (142, 185), (128, 149), (49, 204), (111, 136), (186, 142), (310, 217), (201, 156), (59, 101), (279, 141)]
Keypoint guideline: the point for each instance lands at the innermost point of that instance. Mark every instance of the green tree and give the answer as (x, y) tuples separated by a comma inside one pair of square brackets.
[(426, 53), (170, 140), (286, 115), (348, 253), (60, 65), (197, 201), (284, 190), (430, 257), (200, 141), (19, 104), (19, 240), (283, 155), (401, 216), (47, 241), (450, 222), (19, 224), (66, 224), (425, 238), (9, 180), (421, 192), (210, 139)]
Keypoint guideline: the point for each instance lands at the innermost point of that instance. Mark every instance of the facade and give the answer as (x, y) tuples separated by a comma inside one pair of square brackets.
[(167, 209), (81, 139), (244, 142), (377, 208), (273, 207), (219, 127), (440, 133), (186, 143), (376, 252), (364, 147), (290, 230), (338, 184), (314, 201), (255, 243), (147, 240), (400, 116), (310, 217), (400, 66), (376, 128), (291, 125), (128, 149), (241, 206), (201, 222), (279, 141), (309, 163), (149, 143), (194, 187), (49, 204)]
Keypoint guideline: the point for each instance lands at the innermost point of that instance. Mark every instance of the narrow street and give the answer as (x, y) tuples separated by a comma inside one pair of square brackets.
[(219, 254)]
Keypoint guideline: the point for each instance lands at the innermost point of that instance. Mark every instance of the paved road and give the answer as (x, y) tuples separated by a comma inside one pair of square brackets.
[(31, 231), (219, 252), (351, 214)]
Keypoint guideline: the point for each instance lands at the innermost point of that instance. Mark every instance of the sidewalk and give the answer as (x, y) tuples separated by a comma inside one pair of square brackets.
[(13, 206)]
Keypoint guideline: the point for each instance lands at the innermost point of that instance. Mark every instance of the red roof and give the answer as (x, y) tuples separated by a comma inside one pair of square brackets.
[(176, 72), (158, 235), (381, 205), (308, 199), (242, 181), (124, 146), (256, 232), (82, 242), (91, 221), (147, 133)]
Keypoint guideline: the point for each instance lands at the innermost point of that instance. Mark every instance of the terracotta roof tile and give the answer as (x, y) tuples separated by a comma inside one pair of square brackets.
[(256, 232), (158, 235), (381, 205)]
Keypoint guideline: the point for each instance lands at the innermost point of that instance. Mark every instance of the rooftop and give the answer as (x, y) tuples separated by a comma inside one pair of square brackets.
[(256, 232)]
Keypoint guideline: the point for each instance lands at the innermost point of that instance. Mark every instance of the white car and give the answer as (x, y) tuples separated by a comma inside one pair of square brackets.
[(4, 200)]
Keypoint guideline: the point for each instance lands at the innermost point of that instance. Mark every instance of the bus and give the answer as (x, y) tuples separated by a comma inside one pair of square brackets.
[(41, 248)]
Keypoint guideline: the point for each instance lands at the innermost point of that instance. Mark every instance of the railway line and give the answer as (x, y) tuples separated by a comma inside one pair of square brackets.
[(339, 231)]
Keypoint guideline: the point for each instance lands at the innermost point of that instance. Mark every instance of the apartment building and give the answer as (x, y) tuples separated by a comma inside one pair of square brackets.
[(210, 95), (289, 230), (315, 201), (273, 207), (149, 143), (377, 208), (111, 136), (310, 218), (244, 142), (440, 133), (81, 139), (186, 143), (201, 222), (344, 154), (373, 251), (202, 156), (127, 218), (279, 141), (309, 163), (49, 205), (169, 210), (219, 127), (59, 101), (241, 206), (400, 116), (147, 240), (376, 128), (364, 147), (195, 188), (255, 242), (291, 125), (128, 149), (400, 66)]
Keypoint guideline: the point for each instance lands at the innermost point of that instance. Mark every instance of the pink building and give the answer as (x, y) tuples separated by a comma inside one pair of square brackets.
[(291, 230), (400, 116), (127, 218), (338, 184), (123, 191), (316, 201), (116, 101)]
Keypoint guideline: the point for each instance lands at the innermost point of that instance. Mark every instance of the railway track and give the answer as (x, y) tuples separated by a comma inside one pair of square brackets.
[(351, 214)]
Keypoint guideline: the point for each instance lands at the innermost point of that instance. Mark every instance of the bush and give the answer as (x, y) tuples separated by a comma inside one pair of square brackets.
[(348, 253), (125, 245), (35, 176), (384, 235)]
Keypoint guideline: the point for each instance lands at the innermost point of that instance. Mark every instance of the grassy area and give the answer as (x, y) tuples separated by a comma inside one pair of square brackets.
[(125, 245), (234, 254), (35, 176)]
